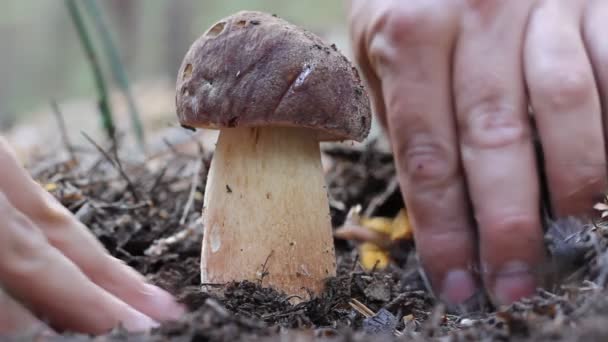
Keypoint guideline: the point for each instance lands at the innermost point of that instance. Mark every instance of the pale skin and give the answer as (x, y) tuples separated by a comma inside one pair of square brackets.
[(53, 270), (451, 80)]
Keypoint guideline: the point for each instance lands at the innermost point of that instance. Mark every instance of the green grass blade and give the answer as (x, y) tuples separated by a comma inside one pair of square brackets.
[(118, 71), (107, 119)]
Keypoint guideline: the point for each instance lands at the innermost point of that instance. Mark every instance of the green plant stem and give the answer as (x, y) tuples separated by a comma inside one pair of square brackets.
[(107, 119), (118, 71)]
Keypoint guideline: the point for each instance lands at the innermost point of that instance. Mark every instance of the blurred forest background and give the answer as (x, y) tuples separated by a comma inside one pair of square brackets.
[(43, 59)]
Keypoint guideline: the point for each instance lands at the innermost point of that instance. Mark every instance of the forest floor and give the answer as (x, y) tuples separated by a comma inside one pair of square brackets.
[(147, 213)]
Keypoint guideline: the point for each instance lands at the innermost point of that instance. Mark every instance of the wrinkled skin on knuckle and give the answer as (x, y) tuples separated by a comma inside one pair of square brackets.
[(447, 241), (563, 86), (484, 7), (502, 223), (426, 161), (483, 14), (358, 19), (445, 250), (506, 236), (359, 14), (22, 245), (492, 123), (404, 24)]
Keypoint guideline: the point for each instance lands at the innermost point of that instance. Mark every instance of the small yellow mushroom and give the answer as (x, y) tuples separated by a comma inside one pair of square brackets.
[(376, 235)]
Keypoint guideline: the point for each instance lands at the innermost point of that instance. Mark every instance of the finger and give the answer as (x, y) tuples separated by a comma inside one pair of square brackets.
[(77, 243), (496, 146), (566, 107), (15, 318), (594, 29), (50, 285), (410, 47), (359, 13)]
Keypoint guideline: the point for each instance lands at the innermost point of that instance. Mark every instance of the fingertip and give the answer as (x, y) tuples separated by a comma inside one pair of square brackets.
[(138, 322), (512, 283), (458, 287), (163, 306)]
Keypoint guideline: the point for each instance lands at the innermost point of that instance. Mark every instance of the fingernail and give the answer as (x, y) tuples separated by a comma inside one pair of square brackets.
[(458, 287), (513, 282), (139, 322), (167, 307)]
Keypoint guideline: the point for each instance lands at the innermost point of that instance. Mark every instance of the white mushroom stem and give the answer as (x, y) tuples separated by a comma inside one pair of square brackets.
[(266, 213)]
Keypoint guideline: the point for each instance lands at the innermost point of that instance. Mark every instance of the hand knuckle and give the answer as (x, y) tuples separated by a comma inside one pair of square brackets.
[(427, 161), (408, 21), (502, 227), (485, 7), (562, 86), (404, 24), (449, 247), (21, 249), (24, 268), (489, 122)]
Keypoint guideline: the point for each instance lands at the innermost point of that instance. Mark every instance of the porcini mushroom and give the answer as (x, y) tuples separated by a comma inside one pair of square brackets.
[(274, 91)]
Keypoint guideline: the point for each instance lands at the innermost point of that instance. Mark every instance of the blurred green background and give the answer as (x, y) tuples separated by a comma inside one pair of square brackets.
[(42, 59)]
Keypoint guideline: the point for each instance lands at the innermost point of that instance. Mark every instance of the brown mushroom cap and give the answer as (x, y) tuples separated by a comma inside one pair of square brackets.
[(253, 69)]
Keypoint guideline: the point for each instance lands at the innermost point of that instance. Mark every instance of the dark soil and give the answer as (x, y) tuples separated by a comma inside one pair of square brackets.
[(135, 211)]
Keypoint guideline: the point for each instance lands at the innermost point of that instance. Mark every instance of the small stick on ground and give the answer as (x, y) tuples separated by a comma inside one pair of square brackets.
[(64, 133), (381, 198), (114, 163), (361, 308), (158, 179), (159, 246), (264, 271)]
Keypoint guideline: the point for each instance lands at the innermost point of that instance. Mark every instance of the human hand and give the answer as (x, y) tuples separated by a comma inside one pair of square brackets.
[(452, 81), (53, 269)]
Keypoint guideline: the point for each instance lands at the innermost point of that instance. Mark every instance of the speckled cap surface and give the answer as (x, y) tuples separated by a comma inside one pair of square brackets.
[(253, 69)]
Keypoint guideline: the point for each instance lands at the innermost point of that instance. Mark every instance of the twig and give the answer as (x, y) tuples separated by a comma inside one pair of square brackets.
[(380, 199), (217, 307), (116, 165), (367, 312), (64, 133), (120, 206), (171, 147), (361, 308), (158, 179), (107, 119), (279, 314), (159, 246), (264, 272), (117, 68), (195, 182)]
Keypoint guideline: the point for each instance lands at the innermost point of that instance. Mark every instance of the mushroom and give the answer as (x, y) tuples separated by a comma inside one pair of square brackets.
[(274, 91)]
